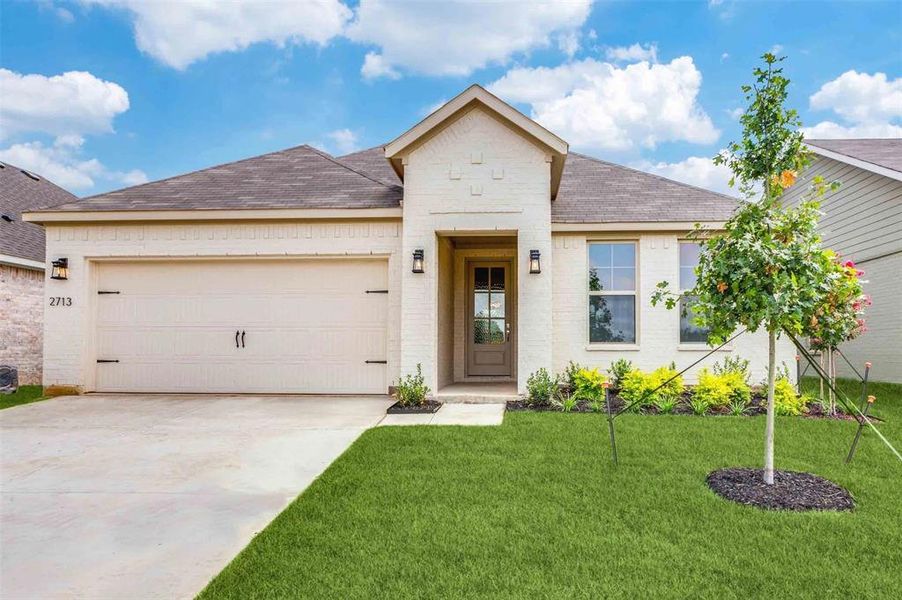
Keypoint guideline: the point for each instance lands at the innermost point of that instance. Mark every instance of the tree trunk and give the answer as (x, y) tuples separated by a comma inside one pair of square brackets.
[(769, 429)]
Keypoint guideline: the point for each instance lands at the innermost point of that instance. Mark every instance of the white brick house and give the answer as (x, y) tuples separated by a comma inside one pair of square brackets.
[(299, 272)]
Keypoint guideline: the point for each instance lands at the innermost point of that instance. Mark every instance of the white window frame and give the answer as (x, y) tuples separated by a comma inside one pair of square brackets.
[(600, 346), (681, 344)]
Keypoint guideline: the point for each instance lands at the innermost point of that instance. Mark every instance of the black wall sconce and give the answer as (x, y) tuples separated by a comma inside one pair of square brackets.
[(60, 269), (534, 264), (418, 261)]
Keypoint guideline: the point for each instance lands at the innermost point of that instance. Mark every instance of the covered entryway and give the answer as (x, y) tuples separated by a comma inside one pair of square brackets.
[(312, 326)]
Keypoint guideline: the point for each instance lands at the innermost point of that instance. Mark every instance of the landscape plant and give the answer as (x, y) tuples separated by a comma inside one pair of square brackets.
[(640, 388), (618, 370), (719, 390), (767, 268), (733, 364), (569, 375), (411, 390), (787, 402), (541, 388)]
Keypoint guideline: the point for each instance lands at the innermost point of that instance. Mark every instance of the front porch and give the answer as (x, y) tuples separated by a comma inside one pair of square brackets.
[(476, 319)]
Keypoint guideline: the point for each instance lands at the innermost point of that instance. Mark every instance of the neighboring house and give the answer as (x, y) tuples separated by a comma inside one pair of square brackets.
[(475, 245), (862, 221), (22, 269)]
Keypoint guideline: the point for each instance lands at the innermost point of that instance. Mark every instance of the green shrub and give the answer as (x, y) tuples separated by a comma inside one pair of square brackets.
[(566, 402), (786, 401), (588, 385), (738, 405), (733, 365), (721, 389), (698, 404), (541, 388), (638, 387), (618, 370), (412, 389), (665, 404), (570, 372)]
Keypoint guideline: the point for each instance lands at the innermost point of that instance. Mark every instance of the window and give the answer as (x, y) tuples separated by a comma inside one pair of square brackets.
[(612, 293), (690, 333)]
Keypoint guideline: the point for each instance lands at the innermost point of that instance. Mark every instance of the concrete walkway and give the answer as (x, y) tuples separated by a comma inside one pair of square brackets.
[(151, 496), (453, 414)]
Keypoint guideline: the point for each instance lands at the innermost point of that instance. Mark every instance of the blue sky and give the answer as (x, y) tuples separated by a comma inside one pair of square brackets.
[(99, 94)]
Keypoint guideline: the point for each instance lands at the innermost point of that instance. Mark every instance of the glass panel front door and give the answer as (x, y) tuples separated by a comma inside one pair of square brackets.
[(490, 326)]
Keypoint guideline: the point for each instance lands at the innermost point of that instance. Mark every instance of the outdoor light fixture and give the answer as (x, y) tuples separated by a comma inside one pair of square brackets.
[(60, 269), (418, 261), (534, 265)]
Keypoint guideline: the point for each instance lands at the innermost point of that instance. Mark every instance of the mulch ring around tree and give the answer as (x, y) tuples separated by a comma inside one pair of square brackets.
[(791, 490), (427, 407)]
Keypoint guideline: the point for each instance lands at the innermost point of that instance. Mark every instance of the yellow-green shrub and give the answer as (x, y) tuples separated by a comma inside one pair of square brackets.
[(637, 385), (587, 385), (720, 390), (786, 401)]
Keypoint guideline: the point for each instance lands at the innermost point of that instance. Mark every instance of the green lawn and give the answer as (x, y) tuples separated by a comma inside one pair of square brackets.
[(535, 508), (24, 395)]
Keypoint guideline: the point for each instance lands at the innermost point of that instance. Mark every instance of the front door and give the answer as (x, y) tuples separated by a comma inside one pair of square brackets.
[(489, 332)]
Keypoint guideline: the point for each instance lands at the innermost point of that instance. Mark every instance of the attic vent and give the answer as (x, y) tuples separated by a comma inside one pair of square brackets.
[(31, 175), (6, 218)]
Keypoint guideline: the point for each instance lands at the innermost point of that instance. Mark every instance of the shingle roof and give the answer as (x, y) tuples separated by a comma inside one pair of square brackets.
[(595, 191), (21, 192), (301, 177), (885, 153)]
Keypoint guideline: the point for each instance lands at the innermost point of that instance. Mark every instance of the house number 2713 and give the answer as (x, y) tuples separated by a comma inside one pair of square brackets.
[(60, 301)]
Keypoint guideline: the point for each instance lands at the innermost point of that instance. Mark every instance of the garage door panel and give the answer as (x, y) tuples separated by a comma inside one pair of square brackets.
[(309, 326)]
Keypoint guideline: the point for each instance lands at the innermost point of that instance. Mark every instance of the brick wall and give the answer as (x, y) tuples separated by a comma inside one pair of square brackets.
[(21, 321)]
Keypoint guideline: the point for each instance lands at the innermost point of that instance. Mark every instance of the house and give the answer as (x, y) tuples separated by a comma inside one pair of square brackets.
[(22, 269), (475, 244), (863, 222)]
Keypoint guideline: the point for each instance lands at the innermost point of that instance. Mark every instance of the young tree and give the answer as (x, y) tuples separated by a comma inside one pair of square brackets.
[(767, 269)]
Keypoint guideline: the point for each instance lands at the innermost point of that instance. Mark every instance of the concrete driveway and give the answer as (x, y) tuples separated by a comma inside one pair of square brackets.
[(151, 496)]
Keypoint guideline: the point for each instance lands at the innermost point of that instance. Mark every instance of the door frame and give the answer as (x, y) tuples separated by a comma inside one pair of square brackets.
[(510, 310)]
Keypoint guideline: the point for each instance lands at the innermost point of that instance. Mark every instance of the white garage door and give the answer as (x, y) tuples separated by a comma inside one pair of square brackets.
[(243, 326)]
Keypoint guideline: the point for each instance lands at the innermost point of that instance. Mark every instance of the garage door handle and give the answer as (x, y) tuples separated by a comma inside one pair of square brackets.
[(242, 339), (236, 339)]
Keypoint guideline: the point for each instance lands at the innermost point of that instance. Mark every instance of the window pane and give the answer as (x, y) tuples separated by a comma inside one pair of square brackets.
[(496, 334), (612, 319), (687, 278), (599, 279), (624, 279), (690, 332), (481, 304), (624, 255), (497, 278), (497, 305), (599, 255), (480, 331), (481, 276)]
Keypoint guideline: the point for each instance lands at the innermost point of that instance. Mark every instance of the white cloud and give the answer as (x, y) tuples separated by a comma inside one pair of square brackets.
[(634, 53), (598, 105), (735, 113), (180, 33), (776, 49), (832, 130), (870, 105), (75, 102), (724, 57), (860, 97), (375, 66), (695, 170), (62, 164), (568, 43), (456, 38), (344, 141)]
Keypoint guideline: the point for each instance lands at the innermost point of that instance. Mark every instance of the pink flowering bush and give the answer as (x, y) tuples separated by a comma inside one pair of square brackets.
[(839, 315)]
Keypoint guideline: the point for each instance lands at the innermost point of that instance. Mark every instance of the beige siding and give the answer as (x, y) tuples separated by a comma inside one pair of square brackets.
[(69, 356), (658, 335), (21, 318), (862, 221)]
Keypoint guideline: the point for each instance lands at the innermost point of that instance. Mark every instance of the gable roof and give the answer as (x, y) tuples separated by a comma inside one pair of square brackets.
[(300, 177), (596, 191), (476, 95), (882, 156), (22, 191)]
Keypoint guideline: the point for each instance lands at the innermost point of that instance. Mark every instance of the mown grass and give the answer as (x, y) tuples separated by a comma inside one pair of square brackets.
[(26, 394), (536, 509)]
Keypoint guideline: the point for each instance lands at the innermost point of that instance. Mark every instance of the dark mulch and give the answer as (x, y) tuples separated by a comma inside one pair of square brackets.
[(430, 406), (791, 490)]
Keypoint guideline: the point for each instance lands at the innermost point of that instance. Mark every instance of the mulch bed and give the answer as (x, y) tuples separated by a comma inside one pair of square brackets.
[(428, 407), (791, 490)]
